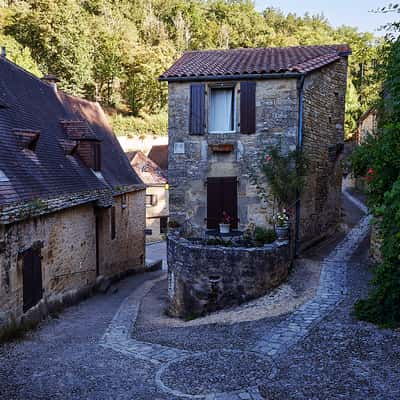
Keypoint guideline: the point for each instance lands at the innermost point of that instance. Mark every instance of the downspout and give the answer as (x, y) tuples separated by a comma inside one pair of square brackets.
[(300, 87)]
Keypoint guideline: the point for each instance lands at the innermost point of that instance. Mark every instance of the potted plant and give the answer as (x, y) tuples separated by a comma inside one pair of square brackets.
[(282, 224), (225, 225)]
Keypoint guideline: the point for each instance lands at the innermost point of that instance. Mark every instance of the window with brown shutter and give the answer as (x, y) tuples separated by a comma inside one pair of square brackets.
[(197, 109), (247, 107)]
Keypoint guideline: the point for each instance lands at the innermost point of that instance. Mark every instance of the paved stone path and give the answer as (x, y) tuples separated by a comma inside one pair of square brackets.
[(318, 352), (331, 291)]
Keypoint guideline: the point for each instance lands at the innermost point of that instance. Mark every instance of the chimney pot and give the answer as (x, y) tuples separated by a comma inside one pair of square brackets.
[(3, 52), (51, 80)]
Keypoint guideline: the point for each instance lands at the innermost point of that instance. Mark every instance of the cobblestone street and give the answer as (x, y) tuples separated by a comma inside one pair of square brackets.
[(101, 349)]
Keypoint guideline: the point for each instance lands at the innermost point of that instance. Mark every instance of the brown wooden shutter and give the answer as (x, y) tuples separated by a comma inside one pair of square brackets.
[(113, 227), (247, 107), (221, 196), (31, 278), (197, 109)]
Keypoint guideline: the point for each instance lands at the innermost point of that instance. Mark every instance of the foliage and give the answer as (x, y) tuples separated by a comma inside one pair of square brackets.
[(378, 160), (381, 157), (114, 51), (382, 305), (265, 236), (285, 174), (156, 124)]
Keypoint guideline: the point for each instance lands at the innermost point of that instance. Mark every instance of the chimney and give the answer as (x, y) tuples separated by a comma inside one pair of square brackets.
[(3, 52), (51, 80)]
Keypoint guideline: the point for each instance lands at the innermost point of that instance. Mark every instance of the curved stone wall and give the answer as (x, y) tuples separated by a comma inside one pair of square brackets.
[(204, 278)]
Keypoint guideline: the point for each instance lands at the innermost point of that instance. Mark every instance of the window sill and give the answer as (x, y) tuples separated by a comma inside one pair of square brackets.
[(220, 132)]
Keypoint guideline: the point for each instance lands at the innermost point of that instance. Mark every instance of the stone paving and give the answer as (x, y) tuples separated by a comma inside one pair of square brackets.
[(317, 352)]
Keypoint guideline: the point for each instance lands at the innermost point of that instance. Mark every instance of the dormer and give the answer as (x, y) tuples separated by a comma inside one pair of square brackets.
[(26, 138), (88, 146)]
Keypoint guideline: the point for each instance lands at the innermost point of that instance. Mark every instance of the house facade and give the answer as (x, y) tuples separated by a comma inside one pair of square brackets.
[(71, 207), (155, 179), (367, 125), (228, 107)]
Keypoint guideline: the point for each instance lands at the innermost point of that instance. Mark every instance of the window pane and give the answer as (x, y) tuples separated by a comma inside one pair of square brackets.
[(221, 110)]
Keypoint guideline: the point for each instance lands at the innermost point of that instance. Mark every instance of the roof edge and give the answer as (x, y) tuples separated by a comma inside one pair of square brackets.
[(273, 75)]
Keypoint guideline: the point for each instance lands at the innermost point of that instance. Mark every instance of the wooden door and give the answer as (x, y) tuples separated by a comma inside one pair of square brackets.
[(221, 196), (31, 278)]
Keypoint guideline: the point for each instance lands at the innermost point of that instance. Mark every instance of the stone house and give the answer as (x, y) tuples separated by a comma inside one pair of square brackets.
[(367, 125), (227, 107), (71, 207), (155, 179)]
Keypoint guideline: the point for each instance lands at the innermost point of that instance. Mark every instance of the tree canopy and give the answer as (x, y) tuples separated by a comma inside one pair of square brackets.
[(114, 51)]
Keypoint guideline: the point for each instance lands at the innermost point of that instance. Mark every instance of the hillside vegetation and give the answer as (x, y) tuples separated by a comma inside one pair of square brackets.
[(114, 51)]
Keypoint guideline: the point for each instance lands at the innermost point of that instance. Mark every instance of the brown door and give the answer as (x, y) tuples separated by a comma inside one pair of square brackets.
[(31, 278), (221, 196)]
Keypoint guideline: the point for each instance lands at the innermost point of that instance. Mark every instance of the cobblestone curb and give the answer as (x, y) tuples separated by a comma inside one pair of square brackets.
[(118, 334), (331, 291)]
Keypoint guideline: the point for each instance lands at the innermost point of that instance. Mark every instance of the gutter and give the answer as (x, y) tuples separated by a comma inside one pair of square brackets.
[(279, 75), (300, 87)]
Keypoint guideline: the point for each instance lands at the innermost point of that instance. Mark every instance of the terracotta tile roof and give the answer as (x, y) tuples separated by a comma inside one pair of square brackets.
[(34, 110), (214, 63), (159, 154), (148, 171)]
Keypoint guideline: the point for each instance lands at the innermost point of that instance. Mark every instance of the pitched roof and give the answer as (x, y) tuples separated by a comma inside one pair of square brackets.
[(148, 171), (256, 61), (159, 154), (32, 107)]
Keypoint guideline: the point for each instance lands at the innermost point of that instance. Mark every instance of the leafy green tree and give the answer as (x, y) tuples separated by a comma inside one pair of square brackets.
[(60, 40)]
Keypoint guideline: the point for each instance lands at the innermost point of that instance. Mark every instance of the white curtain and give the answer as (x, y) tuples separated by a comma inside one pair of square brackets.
[(221, 110)]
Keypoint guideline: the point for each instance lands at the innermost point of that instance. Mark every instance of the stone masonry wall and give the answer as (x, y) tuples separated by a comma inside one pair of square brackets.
[(323, 130), (68, 254), (68, 249), (276, 116), (203, 278), (127, 250)]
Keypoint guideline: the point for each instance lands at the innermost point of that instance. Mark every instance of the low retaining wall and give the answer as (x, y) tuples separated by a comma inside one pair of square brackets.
[(204, 278)]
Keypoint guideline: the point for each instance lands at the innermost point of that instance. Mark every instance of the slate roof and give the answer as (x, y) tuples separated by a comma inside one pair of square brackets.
[(255, 61), (148, 171), (159, 154), (30, 106)]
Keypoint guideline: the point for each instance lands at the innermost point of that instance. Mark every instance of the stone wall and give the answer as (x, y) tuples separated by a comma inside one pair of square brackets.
[(375, 251), (127, 249), (323, 134), (204, 278), (67, 241), (277, 120), (276, 117)]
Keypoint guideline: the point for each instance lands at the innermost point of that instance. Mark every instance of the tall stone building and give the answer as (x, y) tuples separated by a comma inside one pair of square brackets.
[(71, 207), (227, 107)]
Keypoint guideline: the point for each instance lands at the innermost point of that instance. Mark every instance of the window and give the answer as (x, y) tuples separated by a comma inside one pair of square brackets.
[(163, 225), (221, 116), (112, 223), (151, 200)]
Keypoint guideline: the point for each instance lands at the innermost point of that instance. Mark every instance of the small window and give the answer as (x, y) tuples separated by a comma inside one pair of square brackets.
[(112, 223), (222, 109), (124, 202), (151, 200), (163, 225)]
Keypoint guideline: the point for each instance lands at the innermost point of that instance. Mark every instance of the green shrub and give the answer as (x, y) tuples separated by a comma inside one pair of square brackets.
[(383, 303), (263, 235), (156, 124)]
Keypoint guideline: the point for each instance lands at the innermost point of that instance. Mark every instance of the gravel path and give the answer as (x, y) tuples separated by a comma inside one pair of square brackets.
[(89, 353)]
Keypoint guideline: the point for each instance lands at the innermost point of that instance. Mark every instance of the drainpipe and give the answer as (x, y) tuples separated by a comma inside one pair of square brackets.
[(300, 86)]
